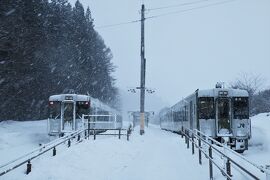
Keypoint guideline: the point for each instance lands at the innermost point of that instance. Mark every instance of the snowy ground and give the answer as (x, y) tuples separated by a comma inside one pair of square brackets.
[(18, 138), (156, 155), (259, 149)]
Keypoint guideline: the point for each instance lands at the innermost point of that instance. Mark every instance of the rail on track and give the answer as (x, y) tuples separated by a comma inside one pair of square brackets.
[(222, 157)]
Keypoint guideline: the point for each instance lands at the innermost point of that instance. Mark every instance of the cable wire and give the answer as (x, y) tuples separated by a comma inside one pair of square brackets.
[(117, 24), (190, 9), (177, 5), (169, 13)]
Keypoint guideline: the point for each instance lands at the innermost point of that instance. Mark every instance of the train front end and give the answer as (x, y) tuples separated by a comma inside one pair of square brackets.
[(224, 115), (65, 113)]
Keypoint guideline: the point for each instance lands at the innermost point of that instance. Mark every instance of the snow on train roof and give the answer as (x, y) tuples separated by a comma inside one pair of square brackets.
[(75, 97), (79, 97), (215, 92)]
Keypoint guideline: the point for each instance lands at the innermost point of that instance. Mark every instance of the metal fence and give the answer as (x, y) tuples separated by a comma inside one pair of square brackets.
[(68, 139), (221, 156)]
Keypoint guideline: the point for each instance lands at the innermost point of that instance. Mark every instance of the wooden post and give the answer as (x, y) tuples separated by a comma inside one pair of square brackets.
[(94, 134), (69, 143), (187, 141), (79, 137), (28, 167), (210, 163), (54, 151), (119, 134), (182, 132), (88, 127), (228, 168), (143, 64), (192, 138), (200, 153)]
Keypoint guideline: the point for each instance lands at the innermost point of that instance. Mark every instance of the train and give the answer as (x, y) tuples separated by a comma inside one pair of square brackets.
[(220, 113), (72, 112)]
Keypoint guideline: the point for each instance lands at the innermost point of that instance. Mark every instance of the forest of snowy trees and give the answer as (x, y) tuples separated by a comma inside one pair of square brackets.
[(49, 47)]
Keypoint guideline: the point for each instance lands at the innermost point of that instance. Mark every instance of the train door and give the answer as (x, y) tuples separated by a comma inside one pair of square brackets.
[(54, 117), (68, 116), (223, 116), (191, 115)]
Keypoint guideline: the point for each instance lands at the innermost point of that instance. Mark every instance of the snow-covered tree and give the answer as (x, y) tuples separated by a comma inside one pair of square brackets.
[(49, 47)]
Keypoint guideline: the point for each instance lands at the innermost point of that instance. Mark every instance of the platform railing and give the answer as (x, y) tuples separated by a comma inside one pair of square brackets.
[(77, 135), (28, 157), (112, 126), (207, 146)]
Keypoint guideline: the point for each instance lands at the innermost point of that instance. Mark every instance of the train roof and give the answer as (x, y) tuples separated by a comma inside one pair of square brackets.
[(78, 97), (74, 97), (217, 91)]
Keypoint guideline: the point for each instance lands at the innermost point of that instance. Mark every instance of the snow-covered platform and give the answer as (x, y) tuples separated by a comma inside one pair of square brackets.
[(18, 138), (156, 155)]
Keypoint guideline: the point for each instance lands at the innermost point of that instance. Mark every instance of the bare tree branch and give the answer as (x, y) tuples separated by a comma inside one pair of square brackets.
[(249, 82)]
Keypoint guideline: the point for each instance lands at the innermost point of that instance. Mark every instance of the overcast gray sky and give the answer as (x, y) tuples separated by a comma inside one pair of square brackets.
[(189, 50)]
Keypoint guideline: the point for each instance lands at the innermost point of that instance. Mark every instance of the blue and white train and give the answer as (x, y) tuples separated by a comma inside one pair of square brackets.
[(68, 113), (219, 113)]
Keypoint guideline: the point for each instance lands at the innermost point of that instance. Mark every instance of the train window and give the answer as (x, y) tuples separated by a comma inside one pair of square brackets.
[(68, 112), (55, 109), (185, 113), (82, 107), (240, 108), (206, 108), (177, 116)]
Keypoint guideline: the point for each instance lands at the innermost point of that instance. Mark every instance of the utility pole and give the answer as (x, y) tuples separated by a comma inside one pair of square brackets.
[(143, 63)]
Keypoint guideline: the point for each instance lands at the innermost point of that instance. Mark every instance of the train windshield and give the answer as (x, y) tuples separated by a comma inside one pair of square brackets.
[(82, 107), (55, 109), (68, 112), (206, 108), (240, 108)]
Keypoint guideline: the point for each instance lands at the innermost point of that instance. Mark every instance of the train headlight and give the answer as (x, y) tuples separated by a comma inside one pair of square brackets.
[(68, 98), (223, 93)]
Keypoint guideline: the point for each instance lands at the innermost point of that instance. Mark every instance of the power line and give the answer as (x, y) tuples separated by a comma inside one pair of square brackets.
[(169, 13), (177, 5), (190, 9), (117, 24)]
